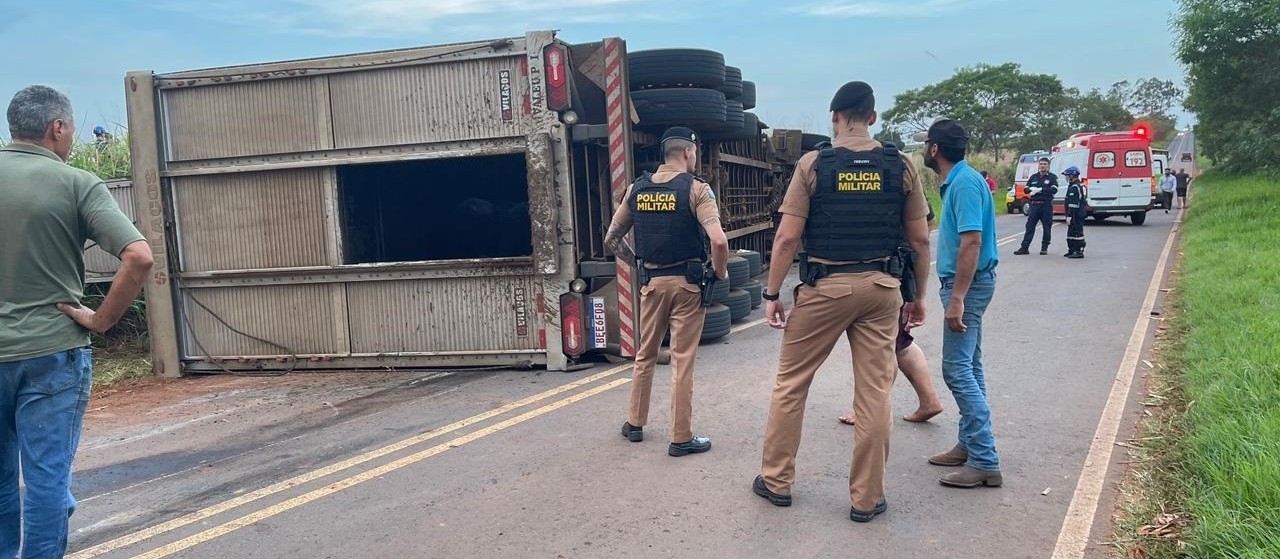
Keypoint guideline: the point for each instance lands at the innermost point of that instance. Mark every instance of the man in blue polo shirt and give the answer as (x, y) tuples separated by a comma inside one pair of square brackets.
[(967, 261)]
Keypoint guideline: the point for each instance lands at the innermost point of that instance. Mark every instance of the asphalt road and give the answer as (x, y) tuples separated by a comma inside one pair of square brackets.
[(530, 464)]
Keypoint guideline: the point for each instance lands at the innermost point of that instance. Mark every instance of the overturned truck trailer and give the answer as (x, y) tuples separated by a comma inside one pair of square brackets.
[(435, 206)]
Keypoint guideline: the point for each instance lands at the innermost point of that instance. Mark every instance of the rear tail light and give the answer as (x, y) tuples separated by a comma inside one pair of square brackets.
[(557, 62), (573, 335)]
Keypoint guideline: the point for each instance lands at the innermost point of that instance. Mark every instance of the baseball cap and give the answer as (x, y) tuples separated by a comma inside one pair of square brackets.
[(945, 132)]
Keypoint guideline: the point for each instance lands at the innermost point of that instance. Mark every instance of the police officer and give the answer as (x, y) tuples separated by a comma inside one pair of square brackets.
[(674, 216), (853, 206), (1077, 209), (1042, 187)]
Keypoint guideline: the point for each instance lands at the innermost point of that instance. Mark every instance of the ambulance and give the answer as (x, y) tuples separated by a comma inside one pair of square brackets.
[(1016, 199), (1114, 166)]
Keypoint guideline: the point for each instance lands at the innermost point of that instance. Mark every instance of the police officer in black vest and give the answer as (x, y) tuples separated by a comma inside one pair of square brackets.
[(1042, 187), (675, 219), (854, 205)]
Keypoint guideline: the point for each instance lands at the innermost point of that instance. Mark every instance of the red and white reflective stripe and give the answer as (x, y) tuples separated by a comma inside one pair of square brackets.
[(618, 186)]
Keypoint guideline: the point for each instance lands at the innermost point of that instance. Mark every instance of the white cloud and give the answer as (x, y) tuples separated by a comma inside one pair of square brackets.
[(383, 18), (853, 8)]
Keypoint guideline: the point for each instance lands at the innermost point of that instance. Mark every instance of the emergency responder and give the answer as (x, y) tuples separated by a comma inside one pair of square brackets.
[(1042, 187), (1077, 209), (670, 211), (853, 206)]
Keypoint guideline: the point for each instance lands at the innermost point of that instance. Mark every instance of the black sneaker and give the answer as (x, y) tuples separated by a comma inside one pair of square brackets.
[(1044, 251), (1076, 255), (1021, 251), (775, 499), (864, 516), (692, 446), (632, 433)]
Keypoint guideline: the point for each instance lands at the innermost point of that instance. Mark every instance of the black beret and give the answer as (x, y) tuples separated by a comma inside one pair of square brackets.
[(679, 133), (851, 94)]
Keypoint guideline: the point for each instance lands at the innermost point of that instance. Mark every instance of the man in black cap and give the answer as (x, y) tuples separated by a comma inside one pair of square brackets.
[(1042, 187), (854, 205), (967, 261), (674, 216)]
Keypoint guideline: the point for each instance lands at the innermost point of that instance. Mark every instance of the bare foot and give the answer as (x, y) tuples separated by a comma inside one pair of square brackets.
[(847, 419), (924, 413)]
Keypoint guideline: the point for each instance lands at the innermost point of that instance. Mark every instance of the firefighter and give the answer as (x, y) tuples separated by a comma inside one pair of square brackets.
[(853, 206), (675, 216), (1077, 209), (1042, 187)]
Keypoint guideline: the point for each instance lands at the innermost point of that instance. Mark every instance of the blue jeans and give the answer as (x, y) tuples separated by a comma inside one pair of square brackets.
[(42, 403), (962, 370)]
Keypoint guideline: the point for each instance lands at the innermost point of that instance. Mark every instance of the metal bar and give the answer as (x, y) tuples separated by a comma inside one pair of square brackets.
[(513, 359), (738, 160), (149, 202), (749, 230), (443, 150), (361, 272)]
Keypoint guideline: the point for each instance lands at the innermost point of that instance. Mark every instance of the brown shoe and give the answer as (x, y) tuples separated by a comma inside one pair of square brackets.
[(957, 456), (969, 477)]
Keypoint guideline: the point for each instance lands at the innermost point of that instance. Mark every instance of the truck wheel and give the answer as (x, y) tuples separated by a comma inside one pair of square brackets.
[(1100, 217), (717, 324), (700, 109), (809, 142), (739, 304), (756, 289), (748, 95), (739, 272), (732, 87), (1138, 218), (720, 292), (754, 259), (750, 129), (676, 68)]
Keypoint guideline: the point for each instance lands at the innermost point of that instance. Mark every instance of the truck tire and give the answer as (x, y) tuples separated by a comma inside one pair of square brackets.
[(720, 292), (700, 109), (739, 272), (732, 87), (750, 129), (717, 324), (809, 142), (733, 120), (675, 68), (756, 290), (1138, 218), (739, 304), (748, 97), (754, 259)]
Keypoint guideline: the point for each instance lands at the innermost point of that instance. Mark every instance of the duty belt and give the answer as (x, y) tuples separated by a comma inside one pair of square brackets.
[(664, 272), (857, 267)]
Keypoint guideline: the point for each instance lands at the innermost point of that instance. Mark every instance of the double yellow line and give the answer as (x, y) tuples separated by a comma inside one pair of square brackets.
[(334, 487)]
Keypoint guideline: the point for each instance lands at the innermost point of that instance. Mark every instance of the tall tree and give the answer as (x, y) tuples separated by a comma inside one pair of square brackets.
[(1232, 52)]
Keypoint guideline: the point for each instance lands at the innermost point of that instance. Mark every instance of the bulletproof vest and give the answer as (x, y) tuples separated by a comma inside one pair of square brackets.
[(666, 229), (855, 212)]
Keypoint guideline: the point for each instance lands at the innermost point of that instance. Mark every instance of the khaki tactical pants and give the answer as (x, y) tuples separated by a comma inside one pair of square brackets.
[(673, 301), (864, 307)]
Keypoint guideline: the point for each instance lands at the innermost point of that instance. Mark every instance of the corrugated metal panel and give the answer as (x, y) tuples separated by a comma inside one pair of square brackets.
[(270, 117), (99, 265), (428, 103), (241, 221), (303, 318), (453, 314)]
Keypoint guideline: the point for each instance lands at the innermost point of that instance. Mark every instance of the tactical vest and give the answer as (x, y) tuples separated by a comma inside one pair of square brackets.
[(667, 230), (855, 212)]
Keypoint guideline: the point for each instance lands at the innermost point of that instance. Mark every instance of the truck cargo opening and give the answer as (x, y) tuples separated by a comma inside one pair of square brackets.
[(441, 209)]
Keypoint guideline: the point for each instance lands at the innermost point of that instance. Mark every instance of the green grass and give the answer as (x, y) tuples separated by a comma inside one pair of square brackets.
[(1219, 383), (109, 160), (123, 352)]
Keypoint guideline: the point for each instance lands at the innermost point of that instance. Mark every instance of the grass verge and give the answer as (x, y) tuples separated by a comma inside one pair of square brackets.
[(1205, 480)]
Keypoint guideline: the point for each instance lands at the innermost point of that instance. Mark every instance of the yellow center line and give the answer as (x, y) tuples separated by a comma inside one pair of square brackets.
[(340, 485), (296, 481), (219, 508)]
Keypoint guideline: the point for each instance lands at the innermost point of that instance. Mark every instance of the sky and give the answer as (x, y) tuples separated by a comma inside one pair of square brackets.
[(797, 51)]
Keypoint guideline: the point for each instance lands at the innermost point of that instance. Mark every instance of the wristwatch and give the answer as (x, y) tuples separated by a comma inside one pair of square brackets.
[(767, 297)]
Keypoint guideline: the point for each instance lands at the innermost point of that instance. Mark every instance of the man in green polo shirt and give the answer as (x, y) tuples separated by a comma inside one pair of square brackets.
[(47, 212)]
